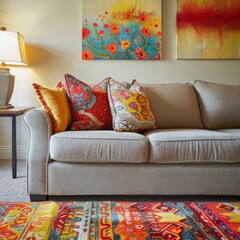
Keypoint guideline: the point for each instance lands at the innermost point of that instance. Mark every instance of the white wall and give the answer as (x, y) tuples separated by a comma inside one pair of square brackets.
[(52, 32)]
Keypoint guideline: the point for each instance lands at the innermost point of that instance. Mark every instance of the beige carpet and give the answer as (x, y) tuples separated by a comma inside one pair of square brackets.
[(13, 190)]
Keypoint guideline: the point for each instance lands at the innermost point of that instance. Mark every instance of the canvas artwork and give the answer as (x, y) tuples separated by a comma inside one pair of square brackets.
[(122, 29), (208, 29)]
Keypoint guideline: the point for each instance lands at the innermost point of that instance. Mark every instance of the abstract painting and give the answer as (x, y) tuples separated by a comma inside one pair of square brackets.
[(208, 29), (122, 29)]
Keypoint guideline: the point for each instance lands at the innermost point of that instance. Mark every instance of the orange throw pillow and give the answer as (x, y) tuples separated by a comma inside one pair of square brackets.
[(55, 102)]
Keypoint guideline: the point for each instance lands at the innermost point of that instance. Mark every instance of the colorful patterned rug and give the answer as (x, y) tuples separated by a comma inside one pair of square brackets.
[(120, 220)]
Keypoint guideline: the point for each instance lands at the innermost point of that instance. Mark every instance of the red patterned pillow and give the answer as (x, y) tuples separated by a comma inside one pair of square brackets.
[(89, 105)]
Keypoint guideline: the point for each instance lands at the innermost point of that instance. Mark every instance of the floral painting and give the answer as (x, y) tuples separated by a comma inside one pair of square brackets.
[(208, 29), (122, 29)]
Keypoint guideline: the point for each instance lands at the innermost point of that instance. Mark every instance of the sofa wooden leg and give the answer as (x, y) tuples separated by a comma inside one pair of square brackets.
[(38, 198)]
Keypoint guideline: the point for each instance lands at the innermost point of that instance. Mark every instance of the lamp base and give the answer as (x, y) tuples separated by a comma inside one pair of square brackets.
[(6, 87), (6, 106)]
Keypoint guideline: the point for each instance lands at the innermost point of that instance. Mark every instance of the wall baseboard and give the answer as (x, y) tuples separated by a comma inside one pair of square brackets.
[(6, 152)]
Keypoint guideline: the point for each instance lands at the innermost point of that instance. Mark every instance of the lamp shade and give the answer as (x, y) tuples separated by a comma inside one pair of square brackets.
[(12, 52), (12, 48)]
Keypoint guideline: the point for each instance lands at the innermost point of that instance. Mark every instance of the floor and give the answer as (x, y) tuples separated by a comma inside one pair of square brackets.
[(14, 190)]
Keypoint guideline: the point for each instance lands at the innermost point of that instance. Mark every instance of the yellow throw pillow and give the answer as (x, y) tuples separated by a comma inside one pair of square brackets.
[(55, 102)]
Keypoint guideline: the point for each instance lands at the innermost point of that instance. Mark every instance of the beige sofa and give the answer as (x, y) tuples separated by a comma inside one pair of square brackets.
[(195, 149)]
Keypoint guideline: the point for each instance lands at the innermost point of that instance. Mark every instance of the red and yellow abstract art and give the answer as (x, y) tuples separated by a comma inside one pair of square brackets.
[(122, 29), (208, 29)]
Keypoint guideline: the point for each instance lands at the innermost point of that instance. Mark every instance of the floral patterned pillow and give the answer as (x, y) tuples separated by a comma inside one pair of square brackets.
[(130, 107), (89, 105)]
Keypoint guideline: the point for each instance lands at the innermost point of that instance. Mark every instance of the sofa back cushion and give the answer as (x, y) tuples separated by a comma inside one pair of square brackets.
[(219, 104), (174, 105)]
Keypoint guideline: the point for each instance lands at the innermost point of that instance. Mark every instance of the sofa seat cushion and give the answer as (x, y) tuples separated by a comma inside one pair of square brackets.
[(232, 131), (193, 146), (104, 146)]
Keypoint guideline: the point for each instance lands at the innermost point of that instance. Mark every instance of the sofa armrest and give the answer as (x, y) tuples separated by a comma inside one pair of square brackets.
[(40, 130)]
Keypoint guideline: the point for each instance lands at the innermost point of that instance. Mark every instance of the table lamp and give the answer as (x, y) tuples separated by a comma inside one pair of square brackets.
[(12, 52)]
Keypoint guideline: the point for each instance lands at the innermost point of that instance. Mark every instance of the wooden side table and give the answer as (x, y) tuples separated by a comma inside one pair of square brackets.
[(13, 113)]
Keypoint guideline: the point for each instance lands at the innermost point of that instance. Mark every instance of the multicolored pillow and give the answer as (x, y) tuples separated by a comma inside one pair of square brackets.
[(89, 105), (130, 107), (55, 102)]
